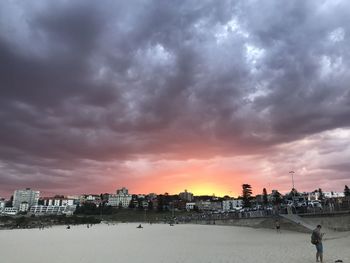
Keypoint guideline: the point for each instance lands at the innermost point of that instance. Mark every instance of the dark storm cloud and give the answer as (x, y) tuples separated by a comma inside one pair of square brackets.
[(115, 81)]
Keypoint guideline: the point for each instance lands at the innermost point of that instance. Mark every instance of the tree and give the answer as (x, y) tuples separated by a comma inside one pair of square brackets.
[(21, 221), (277, 197), (87, 209), (8, 203), (132, 204), (160, 203), (294, 192), (265, 200), (150, 205), (246, 194), (320, 195), (346, 191)]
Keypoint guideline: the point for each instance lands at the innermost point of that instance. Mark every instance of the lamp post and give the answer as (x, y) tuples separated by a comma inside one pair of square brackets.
[(292, 173), (293, 189)]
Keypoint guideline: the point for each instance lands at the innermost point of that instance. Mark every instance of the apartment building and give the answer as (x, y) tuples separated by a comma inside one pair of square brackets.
[(231, 204), (55, 201), (10, 211), (187, 196), (121, 198), (27, 195), (52, 209)]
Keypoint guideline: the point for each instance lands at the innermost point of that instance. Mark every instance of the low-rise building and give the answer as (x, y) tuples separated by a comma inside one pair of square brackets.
[(89, 198), (75, 198), (2, 204), (121, 198), (313, 196), (55, 201), (10, 211), (232, 204), (216, 206), (24, 207), (333, 194), (52, 209), (190, 206), (203, 205)]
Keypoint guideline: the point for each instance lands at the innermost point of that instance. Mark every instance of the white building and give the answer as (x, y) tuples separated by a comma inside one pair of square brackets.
[(76, 198), (121, 198), (27, 195), (58, 201), (92, 197), (122, 191), (52, 209), (333, 194), (216, 206), (231, 204), (190, 206), (187, 196), (316, 195), (23, 207), (2, 204), (10, 211), (204, 205)]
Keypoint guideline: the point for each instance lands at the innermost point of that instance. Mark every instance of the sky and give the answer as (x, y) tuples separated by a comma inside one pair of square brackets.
[(161, 96)]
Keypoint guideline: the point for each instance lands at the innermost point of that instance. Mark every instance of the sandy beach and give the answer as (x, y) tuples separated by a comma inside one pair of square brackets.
[(164, 243)]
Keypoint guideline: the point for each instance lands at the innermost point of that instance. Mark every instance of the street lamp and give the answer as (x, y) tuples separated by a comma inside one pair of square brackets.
[(292, 173), (293, 189)]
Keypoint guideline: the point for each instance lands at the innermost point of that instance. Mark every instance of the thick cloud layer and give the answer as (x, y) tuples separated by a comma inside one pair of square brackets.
[(89, 89)]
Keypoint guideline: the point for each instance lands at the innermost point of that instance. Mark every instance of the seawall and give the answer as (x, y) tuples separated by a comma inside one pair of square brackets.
[(264, 222), (335, 222)]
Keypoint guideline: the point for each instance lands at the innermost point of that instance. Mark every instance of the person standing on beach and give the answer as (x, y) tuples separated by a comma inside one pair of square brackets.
[(316, 239), (278, 226)]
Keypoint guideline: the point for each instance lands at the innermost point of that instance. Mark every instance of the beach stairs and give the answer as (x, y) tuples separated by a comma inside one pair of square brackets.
[(298, 220)]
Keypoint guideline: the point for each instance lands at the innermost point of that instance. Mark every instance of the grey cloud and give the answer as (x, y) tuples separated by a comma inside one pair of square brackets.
[(115, 81)]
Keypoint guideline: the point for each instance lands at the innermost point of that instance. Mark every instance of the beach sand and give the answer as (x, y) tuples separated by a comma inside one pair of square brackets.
[(163, 243)]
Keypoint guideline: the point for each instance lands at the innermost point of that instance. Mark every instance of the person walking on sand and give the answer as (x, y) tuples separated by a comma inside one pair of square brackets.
[(316, 239)]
